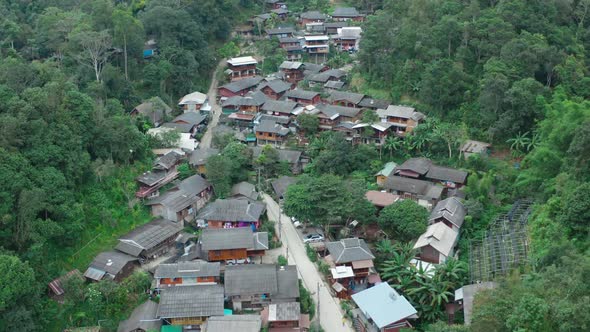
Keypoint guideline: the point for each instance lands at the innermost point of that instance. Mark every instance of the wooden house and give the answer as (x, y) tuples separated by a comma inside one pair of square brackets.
[(332, 27), (382, 309), (198, 159), (182, 202), (56, 286), (312, 16), (347, 39), (239, 88), (242, 67), (381, 199), (252, 286), (190, 305), (187, 274), (326, 76), (352, 252), (111, 265), (281, 185), (404, 118), (347, 14), (150, 240), (279, 108), (292, 71), (280, 32), (423, 168), (244, 190), (449, 211), (142, 319), (292, 157), (373, 104), (195, 102), (284, 316), (232, 244), (270, 132), (164, 170), (250, 103), (422, 192), (344, 98), (315, 45), (303, 97), (293, 47), (154, 110), (437, 243), (471, 147), (384, 173), (230, 213), (274, 89), (274, 4)]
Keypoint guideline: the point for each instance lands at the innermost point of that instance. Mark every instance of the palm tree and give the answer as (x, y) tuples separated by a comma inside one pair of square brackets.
[(452, 271), (519, 143), (392, 143)]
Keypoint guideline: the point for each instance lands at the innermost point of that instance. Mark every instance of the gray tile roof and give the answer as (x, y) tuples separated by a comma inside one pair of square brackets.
[(421, 188), (400, 111), (369, 102), (312, 67), (284, 311), (284, 120), (193, 118), (301, 94), (242, 323), (345, 12), (281, 184), (287, 283), (417, 165), (243, 84), (150, 178), (269, 126), (334, 85), (278, 86), (325, 76), (450, 209), (250, 279), (332, 110), (111, 262), (232, 210), (180, 127), (290, 156), (447, 174), (439, 236), (289, 64), (192, 269), (279, 31), (282, 106), (349, 250), (143, 317), (154, 109), (336, 24), (200, 156), (194, 184), (168, 160), (151, 234), (352, 97), (191, 301), (233, 238), (252, 98), (313, 15), (245, 189), (176, 200), (260, 241)]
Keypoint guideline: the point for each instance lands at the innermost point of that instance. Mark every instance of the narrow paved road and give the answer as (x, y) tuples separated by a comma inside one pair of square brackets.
[(330, 313), (215, 107)]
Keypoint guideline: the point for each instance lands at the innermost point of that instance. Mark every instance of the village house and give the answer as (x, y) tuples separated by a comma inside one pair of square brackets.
[(244, 190), (423, 168), (293, 47), (303, 97), (164, 170), (188, 122), (284, 316), (470, 148), (373, 104), (185, 141), (142, 319), (344, 98), (292, 70), (274, 89), (56, 286), (326, 76), (382, 309), (150, 48), (279, 107), (282, 13), (198, 158), (280, 32), (230, 213), (224, 244), (347, 38), (449, 211), (414, 168), (154, 110), (352, 252), (334, 85), (181, 202), (437, 243), (465, 295), (347, 13), (384, 173), (242, 323), (284, 121), (404, 118), (381, 199), (190, 305), (281, 184), (187, 274), (150, 240), (195, 102), (275, 4), (252, 286), (270, 132), (242, 67), (311, 17), (310, 68), (239, 88), (340, 113), (316, 45), (375, 133), (247, 104), (111, 265), (332, 27), (424, 193), (315, 28), (292, 157)]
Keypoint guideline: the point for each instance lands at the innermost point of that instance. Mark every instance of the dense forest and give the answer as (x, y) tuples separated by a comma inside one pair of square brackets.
[(512, 72), (70, 71)]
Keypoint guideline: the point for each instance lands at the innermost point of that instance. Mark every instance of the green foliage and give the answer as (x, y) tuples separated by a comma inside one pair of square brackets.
[(306, 301), (219, 174), (404, 220), (282, 261), (17, 278), (184, 171), (308, 123), (311, 254), (331, 153), (228, 50)]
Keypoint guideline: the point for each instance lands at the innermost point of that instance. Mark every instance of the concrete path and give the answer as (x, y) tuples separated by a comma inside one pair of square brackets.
[(330, 314), (215, 107)]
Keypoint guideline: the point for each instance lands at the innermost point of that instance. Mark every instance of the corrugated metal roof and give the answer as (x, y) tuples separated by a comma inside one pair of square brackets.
[(383, 305), (191, 301)]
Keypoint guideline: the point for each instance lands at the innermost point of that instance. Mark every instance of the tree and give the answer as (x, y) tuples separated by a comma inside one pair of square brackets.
[(575, 213), (309, 123), (129, 31), (404, 220), (95, 50), (219, 174), (228, 50), (16, 278), (392, 143), (452, 135)]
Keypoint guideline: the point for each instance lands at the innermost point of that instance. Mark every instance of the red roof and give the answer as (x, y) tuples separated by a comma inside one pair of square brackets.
[(56, 285)]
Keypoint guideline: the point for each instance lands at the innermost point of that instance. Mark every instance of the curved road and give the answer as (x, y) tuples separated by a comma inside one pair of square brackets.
[(330, 313), (215, 107)]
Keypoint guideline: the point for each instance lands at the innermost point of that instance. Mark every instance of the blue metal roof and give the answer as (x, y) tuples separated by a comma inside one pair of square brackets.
[(383, 305)]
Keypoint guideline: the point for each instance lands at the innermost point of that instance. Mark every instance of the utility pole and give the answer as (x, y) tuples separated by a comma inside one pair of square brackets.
[(280, 213)]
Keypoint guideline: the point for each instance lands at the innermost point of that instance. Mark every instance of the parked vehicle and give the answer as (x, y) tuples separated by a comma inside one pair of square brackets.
[(238, 261), (315, 237)]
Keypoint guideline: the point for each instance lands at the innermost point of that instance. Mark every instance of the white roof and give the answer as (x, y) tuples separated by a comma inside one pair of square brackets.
[(440, 236), (184, 142), (245, 60), (351, 32), (340, 272), (193, 98), (383, 305), (315, 38), (427, 267)]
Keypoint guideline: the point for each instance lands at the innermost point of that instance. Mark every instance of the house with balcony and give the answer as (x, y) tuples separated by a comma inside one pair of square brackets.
[(153, 110), (187, 274), (239, 88), (332, 27), (317, 45), (292, 71), (274, 89), (231, 213), (403, 118), (347, 14), (280, 32), (326, 76), (303, 97), (347, 38), (270, 132), (374, 133), (251, 286), (242, 67), (437, 243), (221, 244), (150, 240), (345, 98), (382, 309), (423, 168), (279, 108), (293, 47), (163, 172), (354, 253), (250, 103), (190, 306)]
